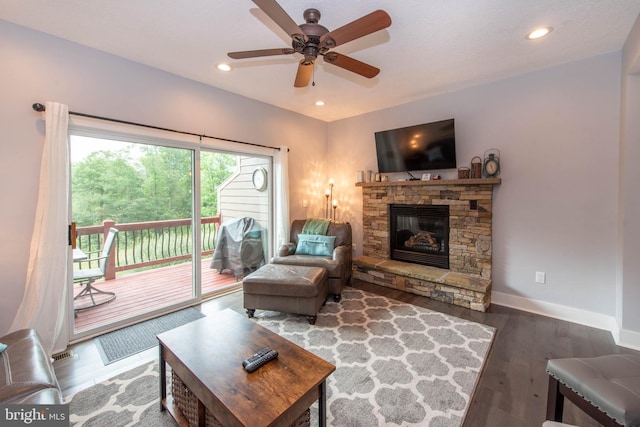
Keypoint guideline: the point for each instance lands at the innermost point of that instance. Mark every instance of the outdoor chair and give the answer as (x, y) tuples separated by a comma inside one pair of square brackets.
[(87, 277)]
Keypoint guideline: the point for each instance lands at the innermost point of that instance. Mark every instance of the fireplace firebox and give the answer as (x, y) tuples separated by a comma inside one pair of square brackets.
[(419, 234)]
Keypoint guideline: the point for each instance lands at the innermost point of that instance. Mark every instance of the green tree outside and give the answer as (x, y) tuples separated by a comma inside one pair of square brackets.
[(215, 169), (114, 184)]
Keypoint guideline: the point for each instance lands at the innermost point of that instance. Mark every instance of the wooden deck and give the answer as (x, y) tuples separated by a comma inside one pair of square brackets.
[(139, 293)]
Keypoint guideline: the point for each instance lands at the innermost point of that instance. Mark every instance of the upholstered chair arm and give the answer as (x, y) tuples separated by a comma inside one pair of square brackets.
[(287, 249), (341, 253)]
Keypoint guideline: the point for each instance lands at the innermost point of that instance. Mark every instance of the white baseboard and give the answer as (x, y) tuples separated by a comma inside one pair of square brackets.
[(623, 338), (629, 339)]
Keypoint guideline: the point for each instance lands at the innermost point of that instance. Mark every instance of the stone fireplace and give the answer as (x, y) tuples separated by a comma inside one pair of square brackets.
[(389, 246)]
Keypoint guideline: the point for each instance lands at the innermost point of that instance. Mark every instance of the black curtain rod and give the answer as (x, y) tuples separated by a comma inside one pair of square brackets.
[(40, 108)]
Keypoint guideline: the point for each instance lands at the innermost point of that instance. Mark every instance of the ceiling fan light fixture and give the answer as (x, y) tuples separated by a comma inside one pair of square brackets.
[(224, 67), (538, 33), (319, 103)]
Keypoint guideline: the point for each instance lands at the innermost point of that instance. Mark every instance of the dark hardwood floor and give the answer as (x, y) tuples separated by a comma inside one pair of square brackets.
[(512, 390)]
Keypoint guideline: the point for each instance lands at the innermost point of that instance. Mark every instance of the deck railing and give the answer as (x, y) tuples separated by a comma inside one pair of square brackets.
[(147, 244)]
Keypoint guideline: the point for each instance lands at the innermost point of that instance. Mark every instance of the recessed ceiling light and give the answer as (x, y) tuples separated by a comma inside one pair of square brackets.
[(319, 103), (539, 32), (224, 67)]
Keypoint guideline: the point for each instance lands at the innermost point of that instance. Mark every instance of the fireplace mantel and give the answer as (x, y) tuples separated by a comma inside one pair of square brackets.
[(470, 239), (480, 181)]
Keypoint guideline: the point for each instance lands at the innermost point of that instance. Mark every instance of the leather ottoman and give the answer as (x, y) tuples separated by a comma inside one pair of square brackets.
[(286, 288), (606, 387)]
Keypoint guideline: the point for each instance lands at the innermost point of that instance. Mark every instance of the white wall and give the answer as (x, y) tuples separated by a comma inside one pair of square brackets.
[(555, 211), (39, 68), (629, 227)]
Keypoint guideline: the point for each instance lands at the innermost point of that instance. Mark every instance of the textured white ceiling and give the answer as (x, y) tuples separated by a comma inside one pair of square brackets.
[(431, 47)]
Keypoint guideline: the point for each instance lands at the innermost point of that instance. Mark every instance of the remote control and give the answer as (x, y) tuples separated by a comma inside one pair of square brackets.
[(255, 357), (267, 357)]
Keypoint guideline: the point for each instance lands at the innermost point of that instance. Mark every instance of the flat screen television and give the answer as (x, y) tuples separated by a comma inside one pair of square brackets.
[(416, 148)]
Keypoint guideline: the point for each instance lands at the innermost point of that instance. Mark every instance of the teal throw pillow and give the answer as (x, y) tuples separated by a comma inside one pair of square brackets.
[(314, 244), (3, 347)]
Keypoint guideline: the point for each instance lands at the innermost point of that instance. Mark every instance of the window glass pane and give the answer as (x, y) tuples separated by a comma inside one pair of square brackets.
[(239, 186), (146, 193)]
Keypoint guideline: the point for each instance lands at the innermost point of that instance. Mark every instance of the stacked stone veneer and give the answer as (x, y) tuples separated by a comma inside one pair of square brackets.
[(468, 280)]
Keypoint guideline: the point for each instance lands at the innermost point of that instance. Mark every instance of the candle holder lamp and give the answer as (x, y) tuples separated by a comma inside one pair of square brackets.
[(326, 203)]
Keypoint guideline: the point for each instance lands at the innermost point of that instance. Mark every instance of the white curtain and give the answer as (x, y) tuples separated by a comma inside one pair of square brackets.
[(281, 166), (44, 304)]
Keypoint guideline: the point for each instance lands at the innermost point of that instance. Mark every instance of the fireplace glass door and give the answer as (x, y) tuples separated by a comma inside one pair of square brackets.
[(420, 234)]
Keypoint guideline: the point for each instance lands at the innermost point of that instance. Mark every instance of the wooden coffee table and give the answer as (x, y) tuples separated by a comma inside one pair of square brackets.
[(207, 355)]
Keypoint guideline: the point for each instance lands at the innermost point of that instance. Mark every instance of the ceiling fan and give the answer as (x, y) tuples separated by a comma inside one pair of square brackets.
[(312, 39)]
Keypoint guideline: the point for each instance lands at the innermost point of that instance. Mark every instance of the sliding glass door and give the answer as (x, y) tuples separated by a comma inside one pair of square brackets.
[(190, 221), (145, 192)]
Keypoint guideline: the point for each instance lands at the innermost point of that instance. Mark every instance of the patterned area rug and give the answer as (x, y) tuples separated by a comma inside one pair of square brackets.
[(129, 399), (397, 364)]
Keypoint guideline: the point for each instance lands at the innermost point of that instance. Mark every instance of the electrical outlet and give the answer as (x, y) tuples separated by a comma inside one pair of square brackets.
[(541, 277)]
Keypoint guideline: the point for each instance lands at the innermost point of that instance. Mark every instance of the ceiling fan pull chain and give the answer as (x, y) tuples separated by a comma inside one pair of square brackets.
[(313, 82)]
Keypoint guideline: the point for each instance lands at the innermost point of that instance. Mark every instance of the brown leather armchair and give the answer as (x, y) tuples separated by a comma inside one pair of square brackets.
[(338, 265)]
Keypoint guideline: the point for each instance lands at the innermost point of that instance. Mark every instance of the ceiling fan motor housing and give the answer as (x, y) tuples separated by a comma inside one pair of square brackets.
[(311, 48)]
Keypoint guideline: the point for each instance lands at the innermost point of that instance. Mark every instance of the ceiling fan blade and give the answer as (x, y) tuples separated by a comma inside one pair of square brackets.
[(280, 17), (303, 76), (350, 64), (260, 52), (375, 21)]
